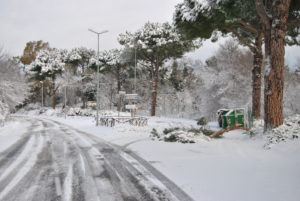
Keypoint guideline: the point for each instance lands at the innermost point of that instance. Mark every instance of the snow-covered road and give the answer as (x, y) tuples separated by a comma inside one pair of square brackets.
[(53, 161)]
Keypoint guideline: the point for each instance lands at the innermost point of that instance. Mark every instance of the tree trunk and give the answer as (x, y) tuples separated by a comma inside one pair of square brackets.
[(83, 99), (154, 90), (118, 75), (53, 92), (274, 72), (256, 77)]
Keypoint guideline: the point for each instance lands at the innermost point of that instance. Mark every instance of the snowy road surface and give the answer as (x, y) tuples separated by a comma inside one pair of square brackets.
[(52, 161)]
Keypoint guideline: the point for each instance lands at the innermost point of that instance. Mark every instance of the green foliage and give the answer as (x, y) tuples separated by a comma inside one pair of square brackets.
[(169, 130), (181, 76), (206, 132), (201, 130), (229, 16), (207, 20), (202, 121), (154, 133), (225, 16), (170, 138), (89, 94), (156, 42), (175, 77)]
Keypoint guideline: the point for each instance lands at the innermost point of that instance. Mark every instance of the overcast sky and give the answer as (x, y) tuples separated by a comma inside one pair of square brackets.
[(65, 23)]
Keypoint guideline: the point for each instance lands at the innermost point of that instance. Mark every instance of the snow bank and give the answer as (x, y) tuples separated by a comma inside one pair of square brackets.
[(36, 109), (290, 130)]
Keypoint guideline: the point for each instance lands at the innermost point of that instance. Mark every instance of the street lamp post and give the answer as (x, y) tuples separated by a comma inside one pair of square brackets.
[(98, 34), (42, 93), (65, 100), (135, 69)]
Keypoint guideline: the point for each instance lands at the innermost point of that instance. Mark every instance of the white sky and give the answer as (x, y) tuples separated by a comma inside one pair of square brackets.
[(65, 23)]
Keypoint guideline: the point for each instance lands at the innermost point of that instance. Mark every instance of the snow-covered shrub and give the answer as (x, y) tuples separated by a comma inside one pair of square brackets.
[(169, 130), (201, 130), (81, 112), (202, 121), (290, 130), (181, 135), (154, 134)]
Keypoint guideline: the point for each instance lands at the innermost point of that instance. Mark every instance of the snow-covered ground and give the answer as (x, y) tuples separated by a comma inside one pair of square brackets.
[(11, 132), (233, 168)]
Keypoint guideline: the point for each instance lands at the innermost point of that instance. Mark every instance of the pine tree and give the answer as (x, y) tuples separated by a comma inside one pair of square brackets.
[(249, 20), (227, 16), (279, 18), (155, 43), (78, 61), (48, 64), (115, 61)]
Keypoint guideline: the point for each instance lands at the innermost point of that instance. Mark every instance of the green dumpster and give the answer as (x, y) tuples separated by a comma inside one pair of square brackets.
[(233, 117)]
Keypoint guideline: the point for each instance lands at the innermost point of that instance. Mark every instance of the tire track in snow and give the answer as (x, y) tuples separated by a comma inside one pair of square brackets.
[(96, 170), (67, 164), (160, 190), (12, 152), (24, 169), (13, 168), (38, 184), (67, 195), (91, 169), (146, 185)]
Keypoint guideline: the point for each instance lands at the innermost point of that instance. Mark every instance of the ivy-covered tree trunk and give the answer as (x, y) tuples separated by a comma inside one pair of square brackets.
[(256, 77), (154, 87)]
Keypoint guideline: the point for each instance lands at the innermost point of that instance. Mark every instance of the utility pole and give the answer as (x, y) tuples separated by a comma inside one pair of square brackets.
[(97, 63), (135, 69), (65, 102), (42, 93)]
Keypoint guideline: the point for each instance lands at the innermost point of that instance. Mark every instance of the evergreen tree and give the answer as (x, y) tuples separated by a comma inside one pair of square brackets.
[(79, 62), (48, 64), (115, 61), (279, 19), (249, 20), (155, 43), (227, 16)]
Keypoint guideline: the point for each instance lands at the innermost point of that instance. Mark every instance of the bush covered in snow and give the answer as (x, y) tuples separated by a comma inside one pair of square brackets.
[(81, 112), (202, 121), (290, 130), (182, 135)]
